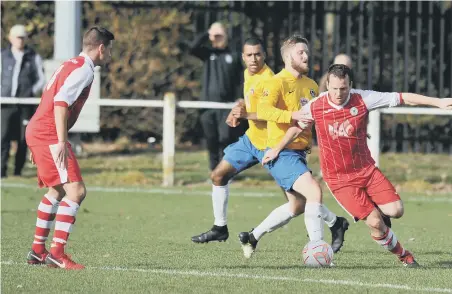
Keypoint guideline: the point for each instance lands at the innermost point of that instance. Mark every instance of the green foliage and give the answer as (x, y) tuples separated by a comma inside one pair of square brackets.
[(148, 60), (37, 17)]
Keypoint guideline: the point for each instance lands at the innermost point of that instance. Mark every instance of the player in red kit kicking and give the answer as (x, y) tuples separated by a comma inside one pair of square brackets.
[(47, 137), (341, 117)]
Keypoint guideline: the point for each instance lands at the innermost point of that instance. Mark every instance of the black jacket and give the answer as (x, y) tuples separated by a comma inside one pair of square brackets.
[(223, 71), (28, 75)]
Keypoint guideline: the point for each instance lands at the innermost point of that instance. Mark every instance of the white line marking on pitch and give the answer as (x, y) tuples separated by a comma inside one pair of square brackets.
[(172, 191), (259, 277)]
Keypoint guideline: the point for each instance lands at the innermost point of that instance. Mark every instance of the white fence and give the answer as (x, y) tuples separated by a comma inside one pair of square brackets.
[(169, 105)]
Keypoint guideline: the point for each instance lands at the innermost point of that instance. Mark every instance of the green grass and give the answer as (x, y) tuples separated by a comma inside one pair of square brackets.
[(410, 172), (147, 236), (139, 241)]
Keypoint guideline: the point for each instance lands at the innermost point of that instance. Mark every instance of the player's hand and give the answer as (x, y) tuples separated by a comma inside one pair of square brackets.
[(62, 155), (445, 103), (299, 115), (305, 124), (239, 111), (270, 154), (32, 159), (232, 121)]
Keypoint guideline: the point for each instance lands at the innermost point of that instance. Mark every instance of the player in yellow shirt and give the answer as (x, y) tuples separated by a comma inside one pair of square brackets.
[(283, 97), (249, 149)]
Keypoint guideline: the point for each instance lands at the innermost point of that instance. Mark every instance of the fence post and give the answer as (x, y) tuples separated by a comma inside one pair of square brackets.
[(169, 136), (373, 129)]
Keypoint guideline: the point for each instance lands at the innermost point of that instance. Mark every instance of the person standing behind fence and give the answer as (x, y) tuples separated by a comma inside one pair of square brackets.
[(221, 82), (339, 59), (22, 75)]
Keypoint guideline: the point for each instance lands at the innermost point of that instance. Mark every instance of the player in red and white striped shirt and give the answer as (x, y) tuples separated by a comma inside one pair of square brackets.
[(341, 117), (47, 137)]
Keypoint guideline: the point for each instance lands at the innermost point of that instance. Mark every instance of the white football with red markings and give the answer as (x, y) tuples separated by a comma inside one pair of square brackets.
[(317, 254)]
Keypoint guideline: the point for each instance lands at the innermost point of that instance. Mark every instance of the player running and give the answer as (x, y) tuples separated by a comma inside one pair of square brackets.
[(249, 150), (341, 117), (283, 96), (47, 137)]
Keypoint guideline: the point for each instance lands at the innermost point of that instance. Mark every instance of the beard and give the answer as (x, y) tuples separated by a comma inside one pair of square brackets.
[(302, 68)]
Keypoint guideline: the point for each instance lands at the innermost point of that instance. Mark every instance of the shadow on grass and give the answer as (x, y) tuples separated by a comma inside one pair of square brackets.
[(445, 264)]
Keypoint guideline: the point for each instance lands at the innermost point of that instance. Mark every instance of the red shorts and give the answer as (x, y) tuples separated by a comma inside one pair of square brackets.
[(359, 197), (48, 173)]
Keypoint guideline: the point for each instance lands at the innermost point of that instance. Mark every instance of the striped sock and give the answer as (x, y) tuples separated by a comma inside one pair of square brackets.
[(46, 214), (389, 242), (65, 219)]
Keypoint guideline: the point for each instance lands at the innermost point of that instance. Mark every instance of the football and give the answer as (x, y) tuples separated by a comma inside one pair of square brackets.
[(317, 254)]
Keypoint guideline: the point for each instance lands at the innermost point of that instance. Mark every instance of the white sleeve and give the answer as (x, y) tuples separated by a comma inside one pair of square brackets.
[(374, 99), (307, 114), (306, 109), (73, 85), (39, 85)]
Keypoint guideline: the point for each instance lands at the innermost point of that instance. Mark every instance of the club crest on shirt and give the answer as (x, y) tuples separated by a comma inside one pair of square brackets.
[(354, 111), (312, 93), (303, 101), (266, 93)]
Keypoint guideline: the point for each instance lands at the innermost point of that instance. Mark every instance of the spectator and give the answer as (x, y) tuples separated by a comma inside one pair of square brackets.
[(221, 82), (339, 59), (22, 76)]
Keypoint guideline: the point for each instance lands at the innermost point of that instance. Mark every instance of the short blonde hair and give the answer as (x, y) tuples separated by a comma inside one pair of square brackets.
[(292, 41)]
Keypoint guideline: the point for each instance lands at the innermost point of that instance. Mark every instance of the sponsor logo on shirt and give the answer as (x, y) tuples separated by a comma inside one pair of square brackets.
[(344, 129)]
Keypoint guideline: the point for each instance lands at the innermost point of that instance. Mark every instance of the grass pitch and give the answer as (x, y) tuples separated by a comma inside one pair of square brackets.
[(137, 239)]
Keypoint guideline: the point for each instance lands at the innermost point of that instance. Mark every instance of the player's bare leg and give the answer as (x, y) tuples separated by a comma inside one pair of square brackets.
[(220, 177), (384, 236), (276, 219), (45, 216), (65, 219), (393, 210)]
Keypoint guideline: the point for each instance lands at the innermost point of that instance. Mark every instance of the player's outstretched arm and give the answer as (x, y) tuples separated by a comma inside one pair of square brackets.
[(267, 110), (291, 134), (416, 99)]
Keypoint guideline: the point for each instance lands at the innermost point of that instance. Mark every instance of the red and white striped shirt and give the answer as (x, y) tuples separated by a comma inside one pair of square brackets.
[(69, 87), (342, 131)]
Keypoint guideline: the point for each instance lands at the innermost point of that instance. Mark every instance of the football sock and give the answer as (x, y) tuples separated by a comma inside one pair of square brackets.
[(46, 214), (389, 242), (313, 220), (65, 219), (220, 197), (276, 219), (328, 217)]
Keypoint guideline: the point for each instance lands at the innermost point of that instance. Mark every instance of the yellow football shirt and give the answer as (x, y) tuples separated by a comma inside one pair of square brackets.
[(252, 92), (284, 94)]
